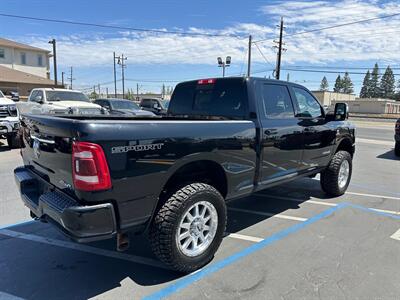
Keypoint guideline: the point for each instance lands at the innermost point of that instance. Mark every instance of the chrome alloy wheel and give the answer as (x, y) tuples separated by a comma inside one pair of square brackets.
[(344, 173), (197, 229)]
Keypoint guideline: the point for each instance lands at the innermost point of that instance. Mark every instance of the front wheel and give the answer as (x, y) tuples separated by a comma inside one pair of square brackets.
[(336, 177), (188, 229), (14, 141)]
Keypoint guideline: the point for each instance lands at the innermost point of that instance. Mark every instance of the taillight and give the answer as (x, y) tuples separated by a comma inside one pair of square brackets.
[(89, 167), (206, 81)]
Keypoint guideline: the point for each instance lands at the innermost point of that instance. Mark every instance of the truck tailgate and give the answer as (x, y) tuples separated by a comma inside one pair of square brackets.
[(48, 148)]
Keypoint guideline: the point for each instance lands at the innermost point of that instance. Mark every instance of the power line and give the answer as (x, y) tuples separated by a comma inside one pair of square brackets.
[(116, 27), (324, 71), (335, 26), (341, 67), (262, 54)]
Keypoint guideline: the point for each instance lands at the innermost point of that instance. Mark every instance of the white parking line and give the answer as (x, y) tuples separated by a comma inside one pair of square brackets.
[(280, 216), (83, 248), (396, 235), (245, 237), (376, 142), (296, 200), (333, 204), (373, 196)]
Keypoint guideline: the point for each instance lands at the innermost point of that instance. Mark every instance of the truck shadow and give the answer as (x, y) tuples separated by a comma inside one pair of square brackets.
[(388, 155), (43, 270)]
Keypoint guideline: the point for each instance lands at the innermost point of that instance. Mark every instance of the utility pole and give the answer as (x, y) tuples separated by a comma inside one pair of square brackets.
[(98, 86), (115, 78), (121, 61), (137, 91), (62, 78), (53, 41), (70, 78), (107, 92), (249, 57), (280, 49)]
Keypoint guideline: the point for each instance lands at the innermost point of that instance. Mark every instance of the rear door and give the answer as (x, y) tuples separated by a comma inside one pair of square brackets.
[(318, 136), (281, 135)]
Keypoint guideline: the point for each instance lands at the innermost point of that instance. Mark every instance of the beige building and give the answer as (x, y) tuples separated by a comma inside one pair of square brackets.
[(21, 82), (373, 106), (326, 97), (24, 58)]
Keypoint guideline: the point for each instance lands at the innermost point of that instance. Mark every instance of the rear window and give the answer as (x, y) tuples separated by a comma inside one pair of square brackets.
[(224, 97)]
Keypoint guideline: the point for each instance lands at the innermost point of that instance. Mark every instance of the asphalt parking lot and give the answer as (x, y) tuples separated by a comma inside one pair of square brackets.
[(288, 242)]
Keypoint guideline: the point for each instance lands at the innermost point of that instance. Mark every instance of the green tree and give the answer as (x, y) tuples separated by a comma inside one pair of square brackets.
[(375, 86), (324, 86), (366, 86), (93, 95), (387, 86), (338, 85), (347, 84)]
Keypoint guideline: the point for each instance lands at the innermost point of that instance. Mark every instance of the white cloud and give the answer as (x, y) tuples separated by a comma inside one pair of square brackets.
[(375, 40)]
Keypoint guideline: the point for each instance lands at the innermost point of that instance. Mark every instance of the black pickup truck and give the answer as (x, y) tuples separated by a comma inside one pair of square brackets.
[(104, 176)]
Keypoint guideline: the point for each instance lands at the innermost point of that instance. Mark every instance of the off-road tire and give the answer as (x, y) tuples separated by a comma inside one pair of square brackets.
[(166, 222), (397, 149), (14, 141), (329, 177)]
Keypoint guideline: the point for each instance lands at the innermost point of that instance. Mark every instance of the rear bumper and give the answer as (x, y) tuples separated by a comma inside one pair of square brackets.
[(80, 222)]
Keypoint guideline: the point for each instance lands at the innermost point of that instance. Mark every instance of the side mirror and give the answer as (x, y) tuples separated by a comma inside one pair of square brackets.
[(38, 99), (341, 111), (155, 105)]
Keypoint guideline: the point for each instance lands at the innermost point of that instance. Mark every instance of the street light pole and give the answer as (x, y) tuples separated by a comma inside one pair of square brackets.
[(53, 41), (224, 64)]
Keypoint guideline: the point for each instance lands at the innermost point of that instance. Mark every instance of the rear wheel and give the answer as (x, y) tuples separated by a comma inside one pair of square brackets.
[(336, 177), (14, 141), (397, 148), (188, 229)]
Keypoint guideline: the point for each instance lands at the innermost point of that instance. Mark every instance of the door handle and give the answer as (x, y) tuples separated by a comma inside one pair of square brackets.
[(309, 129), (270, 131)]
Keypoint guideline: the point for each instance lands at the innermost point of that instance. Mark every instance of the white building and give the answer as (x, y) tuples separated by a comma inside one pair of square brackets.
[(24, 58)]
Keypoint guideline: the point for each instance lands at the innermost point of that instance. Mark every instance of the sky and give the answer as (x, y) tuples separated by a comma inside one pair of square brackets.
[(154, 58)]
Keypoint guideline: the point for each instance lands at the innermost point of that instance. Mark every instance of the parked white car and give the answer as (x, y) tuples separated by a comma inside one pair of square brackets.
[(59, 101), (9, 122)]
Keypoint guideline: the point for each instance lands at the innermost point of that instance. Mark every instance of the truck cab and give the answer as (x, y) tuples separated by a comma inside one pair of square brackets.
[(58, 101)]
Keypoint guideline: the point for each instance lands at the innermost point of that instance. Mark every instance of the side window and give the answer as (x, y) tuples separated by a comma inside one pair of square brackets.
[(33, 96), (40, 94), (23, 58), (40, 60), (277, 102), (307, 105), (105, 104), (2, 55), (146, 103)]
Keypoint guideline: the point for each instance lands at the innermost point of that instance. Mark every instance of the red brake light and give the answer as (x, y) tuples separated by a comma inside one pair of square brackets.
[(89, 167), (206, 81)]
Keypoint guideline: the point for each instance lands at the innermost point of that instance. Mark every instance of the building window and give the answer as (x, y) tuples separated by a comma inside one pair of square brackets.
[(2, 53), (23, 58), (40, 60)]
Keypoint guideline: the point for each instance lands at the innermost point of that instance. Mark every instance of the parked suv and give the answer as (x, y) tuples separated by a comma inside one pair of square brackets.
[(155, 105), (9, 122), (59, 101)]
